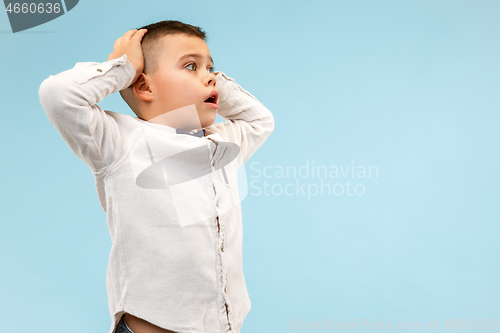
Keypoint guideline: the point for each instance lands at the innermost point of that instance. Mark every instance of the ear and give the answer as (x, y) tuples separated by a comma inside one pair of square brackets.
[(142, 88)]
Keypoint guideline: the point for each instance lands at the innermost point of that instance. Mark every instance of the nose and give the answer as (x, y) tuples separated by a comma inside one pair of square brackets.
[(210, 79)]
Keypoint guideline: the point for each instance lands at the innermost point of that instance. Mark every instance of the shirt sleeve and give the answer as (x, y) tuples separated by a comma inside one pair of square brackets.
[(247, 122), (69, 100)]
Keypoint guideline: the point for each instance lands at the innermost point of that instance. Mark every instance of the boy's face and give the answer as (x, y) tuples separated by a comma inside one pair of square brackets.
[(184, 77)]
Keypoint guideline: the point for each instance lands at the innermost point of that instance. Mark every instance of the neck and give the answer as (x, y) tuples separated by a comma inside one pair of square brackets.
[(185, 117)]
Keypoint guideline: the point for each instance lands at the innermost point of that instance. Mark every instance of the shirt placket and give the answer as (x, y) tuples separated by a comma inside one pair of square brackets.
[(220, 228)]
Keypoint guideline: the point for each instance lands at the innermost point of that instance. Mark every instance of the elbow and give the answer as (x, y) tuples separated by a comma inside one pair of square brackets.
[(47, 92), (50, 93), (46, 86), (269, 122)]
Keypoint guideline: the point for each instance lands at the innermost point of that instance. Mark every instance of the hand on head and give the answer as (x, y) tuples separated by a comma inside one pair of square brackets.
[(130, 44)]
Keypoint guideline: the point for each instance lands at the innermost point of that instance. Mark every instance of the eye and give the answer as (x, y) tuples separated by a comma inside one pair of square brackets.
[(191, 64), (211, 69)]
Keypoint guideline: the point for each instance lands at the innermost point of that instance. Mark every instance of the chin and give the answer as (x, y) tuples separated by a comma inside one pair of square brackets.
[(207, 124), (208, 120)]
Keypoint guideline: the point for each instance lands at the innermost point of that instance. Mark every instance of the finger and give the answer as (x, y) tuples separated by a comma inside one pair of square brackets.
[(140, 34), (129, 34)]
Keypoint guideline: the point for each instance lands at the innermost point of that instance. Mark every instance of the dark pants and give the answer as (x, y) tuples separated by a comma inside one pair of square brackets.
[(122, 327)]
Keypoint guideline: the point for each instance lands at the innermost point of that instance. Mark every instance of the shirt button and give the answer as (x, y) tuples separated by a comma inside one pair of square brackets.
[(222, 248), (225, 290), (99, 70)]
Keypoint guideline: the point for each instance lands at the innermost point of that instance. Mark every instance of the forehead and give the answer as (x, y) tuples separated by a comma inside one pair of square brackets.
[(177, 46)]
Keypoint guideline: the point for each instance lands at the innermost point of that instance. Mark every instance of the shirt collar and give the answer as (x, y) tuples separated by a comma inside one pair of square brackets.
[(196, 132)]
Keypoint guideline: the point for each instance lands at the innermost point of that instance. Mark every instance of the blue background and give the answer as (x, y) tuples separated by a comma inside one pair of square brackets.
[(411, 87)]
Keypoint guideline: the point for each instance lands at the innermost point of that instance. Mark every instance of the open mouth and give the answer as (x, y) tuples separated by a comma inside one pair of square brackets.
[(212, 98)]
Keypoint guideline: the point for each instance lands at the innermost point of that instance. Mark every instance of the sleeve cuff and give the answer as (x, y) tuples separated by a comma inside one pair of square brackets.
[(223, 86), (90, 70), (232, 96)]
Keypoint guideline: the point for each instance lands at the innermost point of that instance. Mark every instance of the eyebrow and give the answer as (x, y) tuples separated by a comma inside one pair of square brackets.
[(195, 55)]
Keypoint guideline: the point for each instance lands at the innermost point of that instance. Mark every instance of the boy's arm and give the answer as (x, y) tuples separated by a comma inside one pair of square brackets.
[(248, 123), (69, 99)]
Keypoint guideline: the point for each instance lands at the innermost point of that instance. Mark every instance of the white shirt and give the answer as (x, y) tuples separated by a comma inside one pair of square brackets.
[(172, 200)]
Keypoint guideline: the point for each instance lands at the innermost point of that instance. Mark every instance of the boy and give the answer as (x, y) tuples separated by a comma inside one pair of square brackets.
[(167, 179)]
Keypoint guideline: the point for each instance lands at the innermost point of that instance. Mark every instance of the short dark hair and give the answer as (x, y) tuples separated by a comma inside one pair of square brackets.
[(152, 49)]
